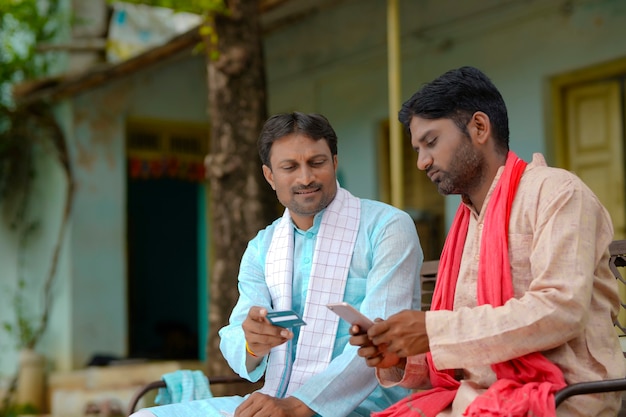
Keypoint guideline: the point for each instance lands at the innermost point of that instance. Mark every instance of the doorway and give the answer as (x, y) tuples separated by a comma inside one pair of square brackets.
[(166, 240), (590, 120), (163, 269), (590, 136)]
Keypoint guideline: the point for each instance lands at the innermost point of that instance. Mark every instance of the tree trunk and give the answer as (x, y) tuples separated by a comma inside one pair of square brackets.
[(241, 202)]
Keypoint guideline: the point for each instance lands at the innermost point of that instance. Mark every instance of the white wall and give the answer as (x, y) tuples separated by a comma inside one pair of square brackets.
[(167, 92), (32, 260), (89, 314), (8, 260)]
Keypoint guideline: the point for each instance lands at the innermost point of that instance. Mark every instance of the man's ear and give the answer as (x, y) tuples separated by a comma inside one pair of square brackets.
[(269, 176), (480, 127)]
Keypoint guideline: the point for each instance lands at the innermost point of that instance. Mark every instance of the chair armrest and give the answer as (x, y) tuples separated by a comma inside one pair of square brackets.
[(141, 392), (591, 387)]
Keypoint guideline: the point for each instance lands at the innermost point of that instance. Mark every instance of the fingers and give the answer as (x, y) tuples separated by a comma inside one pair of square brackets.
[(260, 334), (374, 362), (250, 406), (360, 340), (378, 332), (257, 323), (378, 356), (257, 313), (261, 405), (369, 349), (370, 354), (356, 330), (257, 319), (389, 360), (403, 334)]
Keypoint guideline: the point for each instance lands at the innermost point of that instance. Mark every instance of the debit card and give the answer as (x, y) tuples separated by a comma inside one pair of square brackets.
[(286, 318)]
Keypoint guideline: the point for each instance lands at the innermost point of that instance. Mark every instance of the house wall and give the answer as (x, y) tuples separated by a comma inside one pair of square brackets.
[(336, 64), (89, 315), (28, 257), (9, 262), (168, 92)]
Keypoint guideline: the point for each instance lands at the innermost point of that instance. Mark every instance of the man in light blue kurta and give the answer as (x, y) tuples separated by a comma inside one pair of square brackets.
[(382, 278)]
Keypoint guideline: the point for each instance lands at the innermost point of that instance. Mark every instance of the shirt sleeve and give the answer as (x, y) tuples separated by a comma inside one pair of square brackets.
[(415, 374), (564, 234), (392, 286), (253, 291)]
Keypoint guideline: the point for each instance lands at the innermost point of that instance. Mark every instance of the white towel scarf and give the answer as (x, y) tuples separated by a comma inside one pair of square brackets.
[(329, 273)]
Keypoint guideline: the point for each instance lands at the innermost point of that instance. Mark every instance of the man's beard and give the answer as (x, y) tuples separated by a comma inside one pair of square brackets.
[(464, 173)]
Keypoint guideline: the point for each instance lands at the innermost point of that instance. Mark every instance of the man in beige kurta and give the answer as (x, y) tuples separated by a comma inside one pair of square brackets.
[(564, 297)]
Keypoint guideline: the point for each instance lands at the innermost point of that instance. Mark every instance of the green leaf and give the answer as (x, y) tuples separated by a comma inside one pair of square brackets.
[(23, 24), (205, 30)]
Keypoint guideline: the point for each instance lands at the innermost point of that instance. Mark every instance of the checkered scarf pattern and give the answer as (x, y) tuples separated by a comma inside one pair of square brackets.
[(331, 261)]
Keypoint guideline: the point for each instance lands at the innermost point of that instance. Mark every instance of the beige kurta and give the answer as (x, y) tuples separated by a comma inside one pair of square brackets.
[(565, 297)]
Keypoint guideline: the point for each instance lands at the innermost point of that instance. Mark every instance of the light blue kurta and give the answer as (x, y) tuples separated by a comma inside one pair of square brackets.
[(383, 279)]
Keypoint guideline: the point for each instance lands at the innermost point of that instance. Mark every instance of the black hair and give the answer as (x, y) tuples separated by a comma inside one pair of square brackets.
[(314, 126), (457, 95)]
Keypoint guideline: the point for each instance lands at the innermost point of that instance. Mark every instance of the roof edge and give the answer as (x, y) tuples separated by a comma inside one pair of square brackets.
[(55, 88)]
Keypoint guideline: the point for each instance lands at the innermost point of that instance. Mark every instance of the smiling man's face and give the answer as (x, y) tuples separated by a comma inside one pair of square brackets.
[(303, 174)]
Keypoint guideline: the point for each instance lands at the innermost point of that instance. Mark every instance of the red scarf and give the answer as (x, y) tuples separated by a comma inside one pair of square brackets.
[(525, 385)]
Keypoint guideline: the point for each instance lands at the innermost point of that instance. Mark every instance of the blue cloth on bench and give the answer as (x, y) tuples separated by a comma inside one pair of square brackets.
[(183, 386)]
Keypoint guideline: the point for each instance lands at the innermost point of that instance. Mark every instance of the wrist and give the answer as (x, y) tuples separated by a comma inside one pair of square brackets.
[(250, 352), (298, 408)]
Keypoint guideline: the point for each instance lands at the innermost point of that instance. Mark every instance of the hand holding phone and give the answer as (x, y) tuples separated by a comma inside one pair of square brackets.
[(351, 315)]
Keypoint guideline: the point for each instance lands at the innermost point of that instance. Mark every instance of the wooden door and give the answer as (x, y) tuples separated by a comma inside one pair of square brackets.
[(595, 148), (595, 151)]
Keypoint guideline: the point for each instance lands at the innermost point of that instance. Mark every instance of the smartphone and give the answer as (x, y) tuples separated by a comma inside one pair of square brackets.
[(351, 315), (286, 318)]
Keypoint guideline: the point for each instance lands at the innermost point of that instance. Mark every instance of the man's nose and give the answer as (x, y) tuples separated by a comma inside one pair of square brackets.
[(424, 160), (306, 175)]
